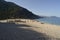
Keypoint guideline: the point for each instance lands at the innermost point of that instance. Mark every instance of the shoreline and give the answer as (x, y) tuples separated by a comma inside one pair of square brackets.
[(48, 29), (48, 23)]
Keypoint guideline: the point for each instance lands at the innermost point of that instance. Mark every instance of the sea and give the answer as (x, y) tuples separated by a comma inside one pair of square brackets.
[(50, 20)]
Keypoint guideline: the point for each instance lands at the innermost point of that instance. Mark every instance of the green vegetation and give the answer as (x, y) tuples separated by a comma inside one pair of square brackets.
[(11, 10)]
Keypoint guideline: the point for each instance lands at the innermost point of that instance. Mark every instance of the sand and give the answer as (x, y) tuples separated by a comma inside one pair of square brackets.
[(26, 29)]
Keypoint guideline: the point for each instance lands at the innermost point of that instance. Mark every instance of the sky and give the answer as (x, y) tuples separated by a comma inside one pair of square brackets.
[(40, 7)]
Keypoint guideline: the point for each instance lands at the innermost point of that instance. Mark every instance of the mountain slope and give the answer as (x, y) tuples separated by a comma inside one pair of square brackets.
[(11, 10)]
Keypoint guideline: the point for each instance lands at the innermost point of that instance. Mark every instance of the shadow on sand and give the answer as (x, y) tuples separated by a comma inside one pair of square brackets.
[(11, 31)]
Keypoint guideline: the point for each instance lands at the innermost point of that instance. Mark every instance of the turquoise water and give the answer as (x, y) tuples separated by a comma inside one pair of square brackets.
[(51, 20)]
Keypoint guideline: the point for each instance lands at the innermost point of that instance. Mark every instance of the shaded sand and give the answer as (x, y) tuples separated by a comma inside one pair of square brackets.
[(25, 29)]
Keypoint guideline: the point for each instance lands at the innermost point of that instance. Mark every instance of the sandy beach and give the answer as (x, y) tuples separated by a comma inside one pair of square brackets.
[(26, 29)]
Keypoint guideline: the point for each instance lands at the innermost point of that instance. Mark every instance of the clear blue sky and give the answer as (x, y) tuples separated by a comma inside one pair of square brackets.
[(41, 7)]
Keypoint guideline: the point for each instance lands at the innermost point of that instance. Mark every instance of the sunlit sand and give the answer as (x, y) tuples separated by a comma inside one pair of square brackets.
[(30, 29)]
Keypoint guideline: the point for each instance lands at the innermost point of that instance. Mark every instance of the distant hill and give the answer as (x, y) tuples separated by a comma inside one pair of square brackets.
[(54, 16), (11, 10)]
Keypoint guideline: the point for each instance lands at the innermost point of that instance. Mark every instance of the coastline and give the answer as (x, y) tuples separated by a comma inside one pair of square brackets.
[(52, 31)]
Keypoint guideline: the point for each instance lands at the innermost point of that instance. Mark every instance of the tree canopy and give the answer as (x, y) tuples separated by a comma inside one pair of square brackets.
[(11, 10)]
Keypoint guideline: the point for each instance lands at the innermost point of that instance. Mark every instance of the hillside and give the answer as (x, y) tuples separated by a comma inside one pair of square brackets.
[(11, 10)]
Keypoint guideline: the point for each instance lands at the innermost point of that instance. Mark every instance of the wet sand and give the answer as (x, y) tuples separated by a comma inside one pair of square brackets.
[(28, 30)]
